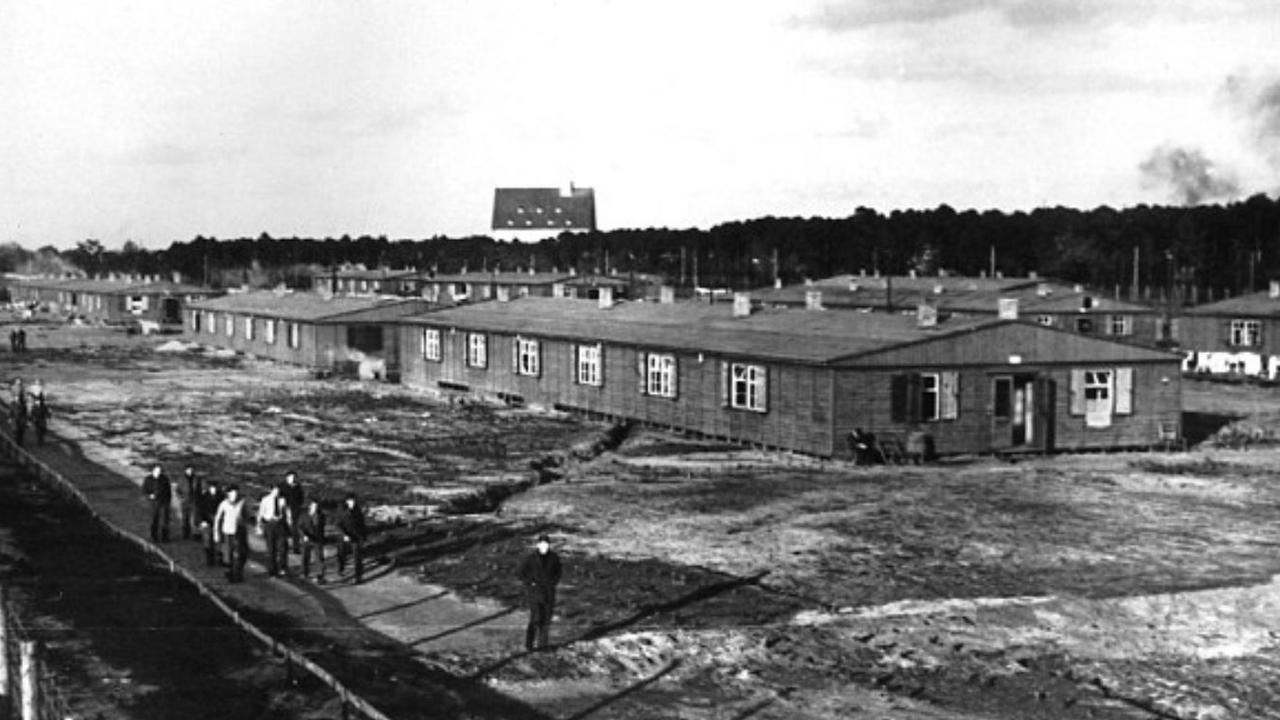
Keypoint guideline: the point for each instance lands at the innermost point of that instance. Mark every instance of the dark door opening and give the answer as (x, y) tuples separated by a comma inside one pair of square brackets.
[(1022, 412)]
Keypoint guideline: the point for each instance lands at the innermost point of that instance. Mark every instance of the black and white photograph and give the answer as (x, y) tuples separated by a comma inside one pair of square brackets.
[(619, 360)]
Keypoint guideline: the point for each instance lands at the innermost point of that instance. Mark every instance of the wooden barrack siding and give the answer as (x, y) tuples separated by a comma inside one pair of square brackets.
[(799, 403)]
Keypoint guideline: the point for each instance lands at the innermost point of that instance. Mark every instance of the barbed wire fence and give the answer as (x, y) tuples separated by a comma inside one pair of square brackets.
[(51, 704)]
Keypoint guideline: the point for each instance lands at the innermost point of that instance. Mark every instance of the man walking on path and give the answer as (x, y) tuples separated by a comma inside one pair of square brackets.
[(40, 418), (159, 492), (292, 493), (273, 526), (190, 490), (351, 525), (206, 507), (231, 528), (540, 573), (310, 526), (18, 413)]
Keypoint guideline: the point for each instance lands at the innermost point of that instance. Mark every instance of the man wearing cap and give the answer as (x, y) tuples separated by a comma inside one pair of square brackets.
[(540, 573)]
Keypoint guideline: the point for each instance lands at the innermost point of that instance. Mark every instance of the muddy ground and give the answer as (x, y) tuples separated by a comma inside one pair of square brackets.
[(706, 581)]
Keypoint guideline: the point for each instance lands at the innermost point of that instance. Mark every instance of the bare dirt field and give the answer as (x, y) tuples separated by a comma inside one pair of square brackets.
[(706, 581)]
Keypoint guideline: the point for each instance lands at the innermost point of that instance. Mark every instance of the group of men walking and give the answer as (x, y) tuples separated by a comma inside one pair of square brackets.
[(288, 522), (17, 340)]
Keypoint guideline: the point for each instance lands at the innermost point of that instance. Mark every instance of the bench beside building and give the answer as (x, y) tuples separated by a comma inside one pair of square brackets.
[(802, 380)]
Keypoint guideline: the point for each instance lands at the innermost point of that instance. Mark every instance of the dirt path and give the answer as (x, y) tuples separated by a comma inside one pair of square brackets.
[(313, 620)]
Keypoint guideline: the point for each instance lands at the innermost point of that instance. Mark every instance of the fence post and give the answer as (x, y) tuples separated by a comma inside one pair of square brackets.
[(5, 695), (30, 681)]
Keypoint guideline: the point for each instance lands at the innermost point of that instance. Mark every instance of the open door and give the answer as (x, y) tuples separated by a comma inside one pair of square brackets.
[(1021, 412)]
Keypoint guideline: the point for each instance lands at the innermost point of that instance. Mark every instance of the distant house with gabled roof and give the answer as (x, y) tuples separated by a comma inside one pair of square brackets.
[(535, 213), (801, 379)]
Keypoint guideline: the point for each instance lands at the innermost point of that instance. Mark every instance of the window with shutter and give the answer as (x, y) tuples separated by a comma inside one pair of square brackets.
[(1077, 391), (898, 388), (642, 370), (1124, 391), (949, 395), (748, 387)]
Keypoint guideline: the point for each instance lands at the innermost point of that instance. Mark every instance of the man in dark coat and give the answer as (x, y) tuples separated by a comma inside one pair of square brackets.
[(351, 525), (540, 573), (40, 418), (291, 491), (19, 414), (190, 490), (310, 527), (206, 507), (159, 492)]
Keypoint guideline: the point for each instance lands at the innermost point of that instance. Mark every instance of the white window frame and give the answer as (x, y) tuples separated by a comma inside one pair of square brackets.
[(930, 397), (1120, 325), (660, 375), (1246, 333), (269, 331), (748, 387), (477, 350), (431, 344), (295, 335), (211, 322), (248, 327), (589, 365), (528, 357), (1099, 397), (229, 324)]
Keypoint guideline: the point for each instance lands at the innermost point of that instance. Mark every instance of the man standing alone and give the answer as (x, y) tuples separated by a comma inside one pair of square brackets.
[(540, 573), (230, 527), (159, 492)]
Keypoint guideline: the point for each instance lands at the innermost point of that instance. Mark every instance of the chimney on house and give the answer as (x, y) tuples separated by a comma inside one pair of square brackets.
[(666, 295), (926, 315), (813, 300), (176, 277), (606, 297), (1031, 275), (741, 304), (777, 283), (1008, 308), (1274, 290), (911, 273)]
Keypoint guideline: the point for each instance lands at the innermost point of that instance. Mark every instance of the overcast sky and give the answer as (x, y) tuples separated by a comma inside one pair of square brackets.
[(158, 121)]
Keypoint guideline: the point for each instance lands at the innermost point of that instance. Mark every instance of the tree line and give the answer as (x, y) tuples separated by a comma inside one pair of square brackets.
[(1205, 250)]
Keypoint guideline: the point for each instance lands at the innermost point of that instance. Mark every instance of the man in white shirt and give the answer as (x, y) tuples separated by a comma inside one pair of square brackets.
[(230, 529), (273, 525)]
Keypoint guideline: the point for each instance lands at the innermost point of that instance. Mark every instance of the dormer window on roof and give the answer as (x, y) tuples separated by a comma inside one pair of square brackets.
[(538, 209), (520, 209)]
